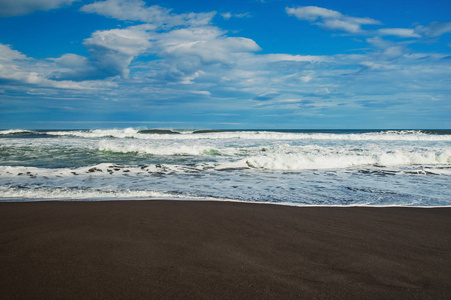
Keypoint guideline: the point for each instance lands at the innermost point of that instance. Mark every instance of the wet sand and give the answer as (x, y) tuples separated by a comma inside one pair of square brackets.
[(222, 250)]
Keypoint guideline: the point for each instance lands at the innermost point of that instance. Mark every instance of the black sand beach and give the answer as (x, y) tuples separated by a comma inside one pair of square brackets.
[(222, 250)]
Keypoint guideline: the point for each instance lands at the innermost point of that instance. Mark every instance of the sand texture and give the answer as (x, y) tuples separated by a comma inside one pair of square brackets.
[(222, 250)]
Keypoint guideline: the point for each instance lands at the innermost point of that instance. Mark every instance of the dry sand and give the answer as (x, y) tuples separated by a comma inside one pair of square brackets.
[(222, 250)]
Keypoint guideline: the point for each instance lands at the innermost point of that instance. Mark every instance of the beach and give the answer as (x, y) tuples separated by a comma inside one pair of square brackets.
[(222, 250)]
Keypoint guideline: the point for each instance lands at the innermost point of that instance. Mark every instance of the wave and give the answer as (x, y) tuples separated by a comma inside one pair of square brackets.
[(14, 131), (158, 131), (166, 134), (210, 131), (348, 159), (412, 160), (65, 193), (256, 135), (288, 157), (97, 133), (168, 150)]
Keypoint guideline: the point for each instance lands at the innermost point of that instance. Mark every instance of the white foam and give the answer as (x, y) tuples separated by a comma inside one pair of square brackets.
[(258, 135), (98, 133), (253, 166), (58, 193), (13, 131), (158, 149), (282, 157), (94, 171), (326, 159)]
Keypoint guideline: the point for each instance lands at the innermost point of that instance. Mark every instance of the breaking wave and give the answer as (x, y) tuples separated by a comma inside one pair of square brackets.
[(14, 131), (152, 134), (323, 167)]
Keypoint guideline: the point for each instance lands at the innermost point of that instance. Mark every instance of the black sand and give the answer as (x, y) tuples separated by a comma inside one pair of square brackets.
[(219, 250)]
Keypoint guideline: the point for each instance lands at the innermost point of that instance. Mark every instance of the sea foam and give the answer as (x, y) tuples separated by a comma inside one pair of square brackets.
[(302, 168), (407, 135)]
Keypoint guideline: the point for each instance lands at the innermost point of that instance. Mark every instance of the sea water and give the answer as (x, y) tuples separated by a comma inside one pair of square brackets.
[(294, 167)]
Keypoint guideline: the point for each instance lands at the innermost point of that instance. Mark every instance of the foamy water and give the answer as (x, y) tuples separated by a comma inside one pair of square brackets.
[(409, 168)]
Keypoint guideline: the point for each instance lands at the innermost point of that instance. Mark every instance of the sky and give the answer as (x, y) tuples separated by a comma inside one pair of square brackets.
[(237, 64)]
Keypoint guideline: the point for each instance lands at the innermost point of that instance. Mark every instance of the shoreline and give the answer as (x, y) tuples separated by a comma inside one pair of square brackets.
[(222, 249), (288, 204)]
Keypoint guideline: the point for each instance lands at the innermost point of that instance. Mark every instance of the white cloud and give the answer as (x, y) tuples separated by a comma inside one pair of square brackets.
[(207, 43), (188, 58), (312, 13), (399, 32), (179, 54), (330, 19), (7, 54), (387, 49), (267, 96), (183, 51), (362, 21), (128, 42), (204, 93), (229, 15), (10, 61), (113, 50), (435, 29), (71, 60), (136, 10), (73, 67), (186, 51), (226, 15), (378, 66), (20, 70), (9, 8), (334, 20), (341, 25), (293, 58), (306, 78)]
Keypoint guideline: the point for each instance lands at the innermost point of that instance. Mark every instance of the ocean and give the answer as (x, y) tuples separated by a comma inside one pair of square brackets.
[(291, 167)]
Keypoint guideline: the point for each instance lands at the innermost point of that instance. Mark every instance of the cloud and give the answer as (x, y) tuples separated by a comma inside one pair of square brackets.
[(207, 43), (435, 29), (226, 16), (204, 93), (341, 25), (7, 54), (312, 13), (10, 8), (378, 104), (113, 50), (178, 55), (330, 19), (188, 50), (183, 43), (266, 96), (16, 69), (229, 15), (334, 20), (275, 58), (74, 67), (136, 10), (387, 49), (185, 60), (181, 46), (399, 32), (10, 61)]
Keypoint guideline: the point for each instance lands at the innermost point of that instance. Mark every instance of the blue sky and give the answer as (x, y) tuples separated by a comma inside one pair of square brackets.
[(274, 64)]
